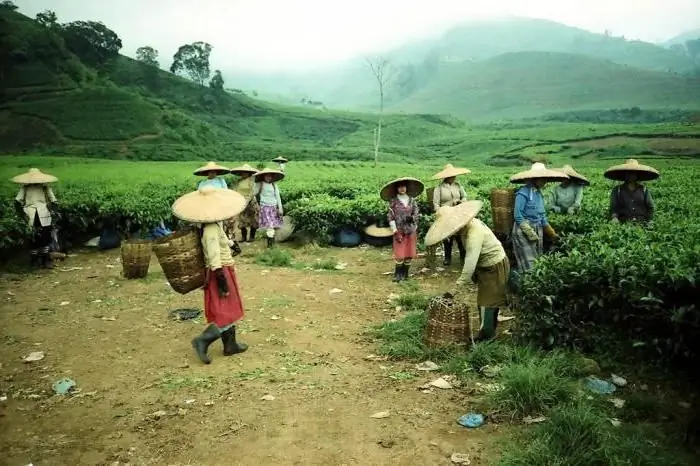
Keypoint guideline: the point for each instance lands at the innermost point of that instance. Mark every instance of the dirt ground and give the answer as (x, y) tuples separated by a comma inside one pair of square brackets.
[(143, 398)]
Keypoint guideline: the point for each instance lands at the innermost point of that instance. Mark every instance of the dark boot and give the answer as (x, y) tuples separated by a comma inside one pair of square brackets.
[(34, 259), (251, 238), (404, 271), (244, 234), (489, 321), (231, 347), (447, 246), (270, 242), (46, 261), (398, 273), (202, 342)]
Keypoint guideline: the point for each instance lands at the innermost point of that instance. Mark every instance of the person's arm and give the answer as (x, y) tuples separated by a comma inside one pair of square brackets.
[(473, 245), (279, 199), (462, 194), (579, 197), (256, 188), (519, 208), (650, 204), (19, 201), (614, 205), (436, 197), (555, 201), (415, 211), (212, 252)]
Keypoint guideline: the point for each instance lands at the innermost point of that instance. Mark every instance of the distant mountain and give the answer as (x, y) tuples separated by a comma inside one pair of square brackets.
[(526, 84), (682, 38)]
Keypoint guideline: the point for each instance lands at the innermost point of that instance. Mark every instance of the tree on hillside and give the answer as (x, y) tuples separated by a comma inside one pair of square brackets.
[(48, 19), (147, 55), (93, 42), (382, 71), (194, 60), (217, 82), (8, 4)]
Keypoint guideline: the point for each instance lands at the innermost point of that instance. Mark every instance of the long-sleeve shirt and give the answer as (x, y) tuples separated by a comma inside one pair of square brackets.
[(269, 194), (400, 209), (246, 187), (448, 194), (565, 197), (483, 248), (215, 245), (217, 182), (631, 204), (35, 199), (529, 205)]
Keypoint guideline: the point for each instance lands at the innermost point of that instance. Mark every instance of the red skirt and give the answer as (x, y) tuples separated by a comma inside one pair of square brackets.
[(406, 249), (223, 311)]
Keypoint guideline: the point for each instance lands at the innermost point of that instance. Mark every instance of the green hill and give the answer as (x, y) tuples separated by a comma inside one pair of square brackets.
[(527, 84)]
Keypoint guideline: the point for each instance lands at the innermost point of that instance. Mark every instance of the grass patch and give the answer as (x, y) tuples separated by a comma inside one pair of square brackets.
[(330, 263), (274, 257)]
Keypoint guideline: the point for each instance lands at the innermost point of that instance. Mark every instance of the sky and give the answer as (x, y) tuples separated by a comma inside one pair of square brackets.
[(262, 35)]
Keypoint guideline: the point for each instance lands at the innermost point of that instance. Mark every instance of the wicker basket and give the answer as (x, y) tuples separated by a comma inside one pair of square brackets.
[(136, 258), (448, 323), (182, 259), (502, 204)]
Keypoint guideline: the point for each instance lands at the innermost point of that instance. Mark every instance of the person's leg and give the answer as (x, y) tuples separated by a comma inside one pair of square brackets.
[(447, 247), (270, 233)]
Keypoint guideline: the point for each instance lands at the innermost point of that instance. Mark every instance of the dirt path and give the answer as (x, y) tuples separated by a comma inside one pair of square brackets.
[(137, 373)]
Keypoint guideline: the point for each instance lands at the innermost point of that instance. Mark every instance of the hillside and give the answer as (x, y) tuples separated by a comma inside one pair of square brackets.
[(526, 84), (681, 39)]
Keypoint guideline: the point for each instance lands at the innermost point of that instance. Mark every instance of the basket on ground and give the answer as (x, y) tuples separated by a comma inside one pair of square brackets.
[(136, 258), (502, 206), (448, 323), (182, 259)]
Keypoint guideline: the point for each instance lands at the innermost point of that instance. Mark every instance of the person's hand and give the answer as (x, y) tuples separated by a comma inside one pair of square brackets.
[(615, 220), (571, 210), (556, 209), (398, 236), (19, 208), (221, 283), (281, 211), (529, 232)]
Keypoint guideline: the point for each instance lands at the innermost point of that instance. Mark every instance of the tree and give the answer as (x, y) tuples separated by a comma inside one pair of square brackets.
[(48, 19), (217, 82), (382, 71), (93, 42), (8, 4), (147, 55), (194, 60)]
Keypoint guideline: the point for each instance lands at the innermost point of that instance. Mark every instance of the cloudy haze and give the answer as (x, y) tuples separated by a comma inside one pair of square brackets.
[(287, 34)]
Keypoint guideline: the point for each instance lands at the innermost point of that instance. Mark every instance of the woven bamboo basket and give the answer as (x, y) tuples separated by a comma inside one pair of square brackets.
[(136, 258), (502, 204), (448, 323), (182, 259)]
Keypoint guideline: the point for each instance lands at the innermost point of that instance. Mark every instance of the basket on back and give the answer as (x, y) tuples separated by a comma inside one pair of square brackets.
[(448, 323), (182, 259), (502, 205), (136, 258)]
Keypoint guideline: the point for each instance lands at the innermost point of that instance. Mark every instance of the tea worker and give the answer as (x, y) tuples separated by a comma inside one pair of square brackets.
[(486, 263), (450, 193), (280, 161), (403, 221), (530, 219), (248, 220), (631, 200), (268, 196), (209, 207), (567, 196), (35, 201), (213, 173)]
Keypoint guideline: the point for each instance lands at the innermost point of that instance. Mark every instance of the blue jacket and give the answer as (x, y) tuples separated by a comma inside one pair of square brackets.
[(529, 205), (214, 182)]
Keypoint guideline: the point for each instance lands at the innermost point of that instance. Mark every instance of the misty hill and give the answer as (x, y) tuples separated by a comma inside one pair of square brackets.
[(681, 39), (526, 84)]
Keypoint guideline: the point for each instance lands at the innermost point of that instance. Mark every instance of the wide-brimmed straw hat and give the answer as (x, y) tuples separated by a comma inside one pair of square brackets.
[(280, 159), (34, 176), (209, 205), (414, 187), (243, 169), (211, 167), (376, 231), (449, 171), (276, 174), (573, 174), (538, 172), (450, 219), (643, 172)]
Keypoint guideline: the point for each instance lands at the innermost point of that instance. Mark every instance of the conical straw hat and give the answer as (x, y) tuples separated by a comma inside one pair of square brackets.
[(34, 176), (449, 220), (244, 169), (211, 167), (538, 172), (449, 171), (573, 174), (209, 205), (276, 175), (280, 159), (378, 232), (414, 187), (643, 172)]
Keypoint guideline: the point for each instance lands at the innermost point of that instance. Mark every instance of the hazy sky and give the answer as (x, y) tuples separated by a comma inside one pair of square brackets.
[(284, 34)]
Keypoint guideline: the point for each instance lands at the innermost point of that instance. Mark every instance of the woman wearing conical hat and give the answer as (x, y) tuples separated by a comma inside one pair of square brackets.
[(35, 201), (248, 220), (280, 161), (213, 173), (567, 196), (268, 194), (530, 219), (631, 200), (209, 207), (450, 193), (486, 263), (403, 215)]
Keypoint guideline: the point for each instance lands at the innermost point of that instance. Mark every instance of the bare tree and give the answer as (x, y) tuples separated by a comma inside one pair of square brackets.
[(382, 71)]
